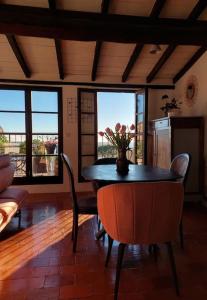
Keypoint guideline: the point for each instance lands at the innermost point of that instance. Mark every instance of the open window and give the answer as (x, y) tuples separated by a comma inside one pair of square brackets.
[(98, 109)]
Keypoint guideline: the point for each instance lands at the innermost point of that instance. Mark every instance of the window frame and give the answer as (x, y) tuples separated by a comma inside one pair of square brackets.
[(29, 179)]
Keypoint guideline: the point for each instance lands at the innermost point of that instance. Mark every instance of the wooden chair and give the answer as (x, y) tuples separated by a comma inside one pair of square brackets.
[(141, 213), (181, 164), (83, 205)]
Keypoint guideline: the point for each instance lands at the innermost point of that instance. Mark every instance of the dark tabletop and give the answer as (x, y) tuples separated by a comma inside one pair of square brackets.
[(136, 173)]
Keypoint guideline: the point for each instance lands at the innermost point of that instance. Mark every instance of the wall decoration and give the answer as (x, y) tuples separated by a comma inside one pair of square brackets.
[(71, 109), (191, 90)]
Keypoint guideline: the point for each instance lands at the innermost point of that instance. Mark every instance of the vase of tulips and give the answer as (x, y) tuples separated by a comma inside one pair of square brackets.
[(121, 138)]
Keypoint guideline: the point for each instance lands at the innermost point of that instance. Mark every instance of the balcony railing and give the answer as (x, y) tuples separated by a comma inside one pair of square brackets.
[(44, 162)]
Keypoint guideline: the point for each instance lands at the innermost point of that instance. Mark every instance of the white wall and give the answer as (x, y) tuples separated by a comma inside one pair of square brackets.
[(199, 69), (200, 106)]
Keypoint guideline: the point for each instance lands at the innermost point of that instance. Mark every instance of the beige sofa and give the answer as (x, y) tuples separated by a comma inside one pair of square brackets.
[(11, 199)]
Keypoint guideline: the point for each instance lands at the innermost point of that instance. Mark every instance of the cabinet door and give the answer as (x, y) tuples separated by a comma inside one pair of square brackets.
[(162, 148)]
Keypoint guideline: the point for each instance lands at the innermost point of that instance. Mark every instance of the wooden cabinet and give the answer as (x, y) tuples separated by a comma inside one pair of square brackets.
[(175, 135)]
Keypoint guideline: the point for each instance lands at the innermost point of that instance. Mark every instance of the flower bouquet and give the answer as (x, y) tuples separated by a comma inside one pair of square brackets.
[(121, 139)]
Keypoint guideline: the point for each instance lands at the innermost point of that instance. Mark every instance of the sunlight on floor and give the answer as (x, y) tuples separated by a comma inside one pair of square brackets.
[(27, 244)]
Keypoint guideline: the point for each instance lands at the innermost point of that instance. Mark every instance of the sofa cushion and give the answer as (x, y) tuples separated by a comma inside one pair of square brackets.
[(17, 194), (8, 208), (6, 177), (4, 161)]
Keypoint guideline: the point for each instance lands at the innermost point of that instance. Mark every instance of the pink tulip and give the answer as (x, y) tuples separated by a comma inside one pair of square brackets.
[(101, 133), (118, 126), (132, 127), (110, 133), (123, 129), (108, 130)]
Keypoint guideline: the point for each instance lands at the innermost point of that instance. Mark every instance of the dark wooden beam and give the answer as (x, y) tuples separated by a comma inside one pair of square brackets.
[(160, 62), (133, 58), (105, 6), (156, 10), (197, 10), (95, 60), (52, 4), (138, 48), (104, 10), (59, 58), (195, 13), (85, 26), (52, 7), (19, 56), (89, 84), (190, 63)]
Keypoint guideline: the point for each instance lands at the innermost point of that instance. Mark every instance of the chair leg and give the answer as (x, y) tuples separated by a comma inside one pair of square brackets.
[(110, 241), (173, 267), (19, 214), (99, 224), (75, 233), (118, 269), (72, 235), (181, 234)]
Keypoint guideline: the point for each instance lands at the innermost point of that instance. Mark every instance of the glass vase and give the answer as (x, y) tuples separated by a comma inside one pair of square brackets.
[(122, 163)]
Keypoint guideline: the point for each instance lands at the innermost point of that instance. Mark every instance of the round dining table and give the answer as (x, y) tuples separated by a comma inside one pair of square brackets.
[(136, 173)]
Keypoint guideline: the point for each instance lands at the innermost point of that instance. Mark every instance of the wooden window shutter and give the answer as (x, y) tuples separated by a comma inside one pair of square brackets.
[(87, 129)]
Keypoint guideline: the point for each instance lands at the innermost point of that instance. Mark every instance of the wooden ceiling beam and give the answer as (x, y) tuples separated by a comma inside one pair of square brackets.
[(105, 6), (138, 48), (156, 10), (197, 10), (52, 7), (190, 63), (161, 62), (133, 58), (104, 10), (195, 13), (95, 60), (84, 26), (59, 58), (52, 4), (19, 56)]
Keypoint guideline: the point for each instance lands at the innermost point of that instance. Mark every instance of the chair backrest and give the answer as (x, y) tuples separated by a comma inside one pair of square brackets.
[(141, 213), (181, 164), (67, 163)]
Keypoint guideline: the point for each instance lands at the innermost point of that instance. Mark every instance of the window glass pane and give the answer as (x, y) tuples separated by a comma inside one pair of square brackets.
[(44, 165), (20, 165), (140, 103), (44, 123), (12, 100), (44, 144), (44, 101), (12, 122)]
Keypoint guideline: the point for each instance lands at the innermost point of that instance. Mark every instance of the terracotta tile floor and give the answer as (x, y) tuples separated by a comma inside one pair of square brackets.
[(36, 262)]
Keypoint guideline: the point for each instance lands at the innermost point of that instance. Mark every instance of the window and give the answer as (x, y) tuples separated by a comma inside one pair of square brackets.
[(98, 109), (113, 107), (31, 132)]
